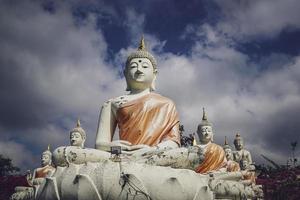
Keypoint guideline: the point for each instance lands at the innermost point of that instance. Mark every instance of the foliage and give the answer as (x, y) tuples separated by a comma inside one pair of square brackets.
[(6, 166), (185, 141)]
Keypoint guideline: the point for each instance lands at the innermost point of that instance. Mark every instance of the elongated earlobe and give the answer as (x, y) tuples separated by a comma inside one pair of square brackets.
[(152, 87)]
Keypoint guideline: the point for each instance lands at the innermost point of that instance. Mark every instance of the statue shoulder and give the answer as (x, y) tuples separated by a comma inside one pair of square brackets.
[(162, 98), (114, 103)]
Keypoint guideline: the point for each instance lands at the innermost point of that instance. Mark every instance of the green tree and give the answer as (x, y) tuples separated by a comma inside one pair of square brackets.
[(6, 167)]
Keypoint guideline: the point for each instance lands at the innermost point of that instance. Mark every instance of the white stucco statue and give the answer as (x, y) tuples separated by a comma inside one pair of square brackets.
[(240, 152), (231, 165), (214, 155), (144, 118), (35, 179), (150, 165)]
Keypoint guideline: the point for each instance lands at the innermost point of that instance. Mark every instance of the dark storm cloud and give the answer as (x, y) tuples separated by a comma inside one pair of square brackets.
[(52, 71)]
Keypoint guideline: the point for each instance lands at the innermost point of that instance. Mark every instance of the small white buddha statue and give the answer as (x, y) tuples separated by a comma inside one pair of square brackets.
[(232, 166), (144, 118), (214, 154), (45, 170), (240, 151), (77, 136), (249, 171)]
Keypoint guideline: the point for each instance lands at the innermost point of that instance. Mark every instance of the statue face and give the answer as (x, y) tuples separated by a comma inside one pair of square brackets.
[(228, 154), (76, 139), (238, 143), (46, 159), (139, 73), (206, 134)]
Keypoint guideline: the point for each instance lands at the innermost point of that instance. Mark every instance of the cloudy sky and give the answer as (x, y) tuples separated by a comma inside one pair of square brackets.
[(60, 60)]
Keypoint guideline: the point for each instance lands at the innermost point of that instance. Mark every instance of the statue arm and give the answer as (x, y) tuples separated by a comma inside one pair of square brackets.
[(167, 144), (249, 158), (106, 127)]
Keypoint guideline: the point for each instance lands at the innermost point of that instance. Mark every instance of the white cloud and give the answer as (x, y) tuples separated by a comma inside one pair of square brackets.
[(52, 72), (258, 18), (134, 22), (240, 95)]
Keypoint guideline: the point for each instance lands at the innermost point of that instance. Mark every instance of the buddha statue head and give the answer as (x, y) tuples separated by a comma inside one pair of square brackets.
[(238, 142), (140, 70), (204, 130), (46, 158), (228, 150), (77, 136)]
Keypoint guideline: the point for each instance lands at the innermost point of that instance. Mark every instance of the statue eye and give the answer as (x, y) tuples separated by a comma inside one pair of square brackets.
[(134, 65)]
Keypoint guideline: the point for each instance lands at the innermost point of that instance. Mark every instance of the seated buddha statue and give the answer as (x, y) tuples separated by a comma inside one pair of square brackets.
[(35, 180), (46, 168), (231, 166), (214, 155), (144, 118), (240, 151), (249, 169)]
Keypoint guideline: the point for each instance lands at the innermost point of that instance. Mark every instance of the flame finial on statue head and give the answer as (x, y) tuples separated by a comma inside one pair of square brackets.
[(78, 123), (204, 117), (205, 121), (225, 141), (142, 46), (226, 145)]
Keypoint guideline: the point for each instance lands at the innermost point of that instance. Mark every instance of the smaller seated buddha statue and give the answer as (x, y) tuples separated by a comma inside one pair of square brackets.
[(214, 155), (34, 180), (232, 166), (45, 170), (76, 153), (249, 176), (240, 151)]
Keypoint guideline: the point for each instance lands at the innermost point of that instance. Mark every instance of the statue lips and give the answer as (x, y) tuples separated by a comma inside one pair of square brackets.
[(138, 75)]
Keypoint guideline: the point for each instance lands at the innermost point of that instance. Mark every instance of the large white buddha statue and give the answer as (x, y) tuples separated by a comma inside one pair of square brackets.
[(149, 165), (144, 118), (214, 155)]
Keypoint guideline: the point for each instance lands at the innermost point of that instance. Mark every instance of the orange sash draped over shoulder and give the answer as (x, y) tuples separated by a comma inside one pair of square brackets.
[(214, 159), (148, 120), (43, 171)]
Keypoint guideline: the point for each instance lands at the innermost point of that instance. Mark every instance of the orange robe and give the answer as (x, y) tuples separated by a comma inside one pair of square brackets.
[(232, 166), (214, 159), (149, 120), (43, 171), (251, 177)]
